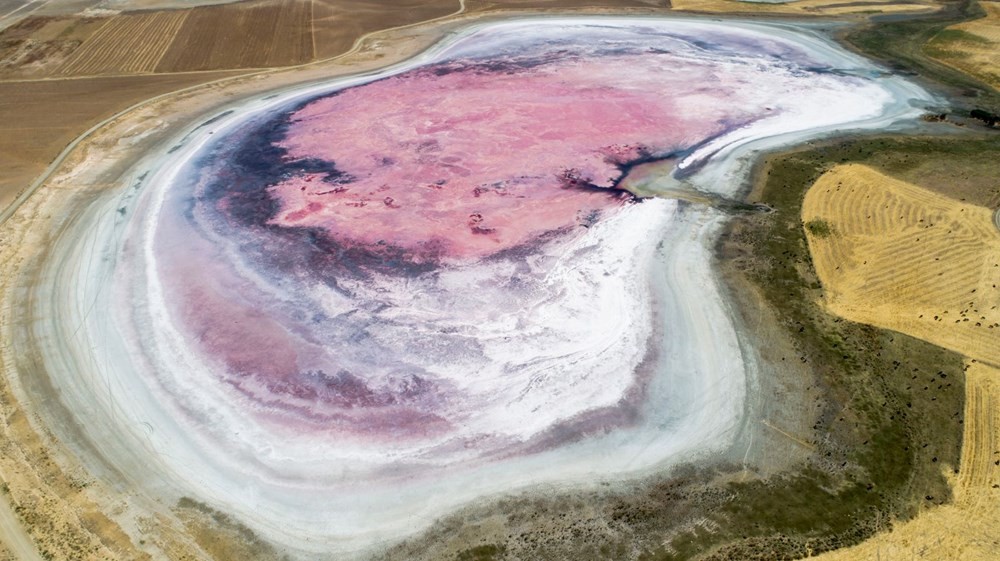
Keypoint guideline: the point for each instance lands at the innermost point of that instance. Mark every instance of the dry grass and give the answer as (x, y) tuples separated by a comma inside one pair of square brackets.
[(902, 257), (907, 259), (126, 44), (969, 528), (973, 46)]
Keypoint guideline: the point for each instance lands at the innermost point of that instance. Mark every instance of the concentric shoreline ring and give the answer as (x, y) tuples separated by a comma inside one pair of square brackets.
[(287, 506)]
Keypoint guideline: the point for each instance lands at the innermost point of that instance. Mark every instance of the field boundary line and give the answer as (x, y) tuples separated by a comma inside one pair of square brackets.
[(312, 26), (173, 37)]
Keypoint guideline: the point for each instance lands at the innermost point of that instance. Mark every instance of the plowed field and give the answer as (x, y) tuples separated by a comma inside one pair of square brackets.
[(39, 118), (126, 44), (244, 35)]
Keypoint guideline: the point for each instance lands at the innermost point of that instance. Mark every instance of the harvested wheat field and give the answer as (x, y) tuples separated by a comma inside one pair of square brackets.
[(967, 528), (244, 35), (901, 257), (126, 44), (972, 46)]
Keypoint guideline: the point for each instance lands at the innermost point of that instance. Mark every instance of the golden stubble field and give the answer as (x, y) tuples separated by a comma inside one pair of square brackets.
[(905, 258), (898, 256), (973, 46)]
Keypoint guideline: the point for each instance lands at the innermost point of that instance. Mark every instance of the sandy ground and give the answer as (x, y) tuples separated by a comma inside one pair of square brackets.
[(952, 251), (15, 543), (973, 46)]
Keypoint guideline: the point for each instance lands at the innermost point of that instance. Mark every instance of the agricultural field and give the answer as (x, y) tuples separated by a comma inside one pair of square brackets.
[(894, 255), (243, 35), (127, 44), (899, 256), (972, 46), (32, 133)]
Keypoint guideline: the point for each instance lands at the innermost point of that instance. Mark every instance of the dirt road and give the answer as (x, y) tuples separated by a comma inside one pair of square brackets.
[(13, 536)]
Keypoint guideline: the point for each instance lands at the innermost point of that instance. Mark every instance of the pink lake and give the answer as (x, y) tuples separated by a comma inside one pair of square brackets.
[(458, 162)]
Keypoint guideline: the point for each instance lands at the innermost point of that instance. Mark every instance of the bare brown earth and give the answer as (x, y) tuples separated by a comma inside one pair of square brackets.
[(243, 35), (38, 46), (899, 256), (338, 23), (40, 117)]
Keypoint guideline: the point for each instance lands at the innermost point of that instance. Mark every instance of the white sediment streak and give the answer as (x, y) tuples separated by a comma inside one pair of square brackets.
[(596, 356)]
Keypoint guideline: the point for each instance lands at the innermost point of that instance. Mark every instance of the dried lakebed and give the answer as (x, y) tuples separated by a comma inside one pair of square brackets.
[(341, 311)]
